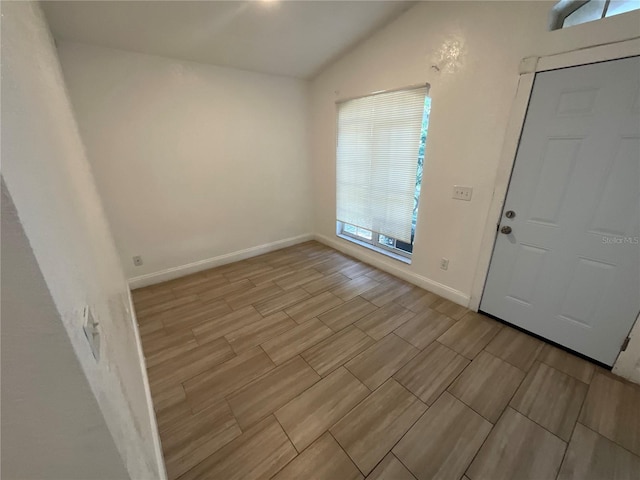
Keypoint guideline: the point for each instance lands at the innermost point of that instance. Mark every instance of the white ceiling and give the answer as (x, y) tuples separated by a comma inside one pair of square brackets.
[(294, 38)]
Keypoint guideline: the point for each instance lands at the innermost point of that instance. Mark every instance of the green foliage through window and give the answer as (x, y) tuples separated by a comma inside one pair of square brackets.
[(421, 149)]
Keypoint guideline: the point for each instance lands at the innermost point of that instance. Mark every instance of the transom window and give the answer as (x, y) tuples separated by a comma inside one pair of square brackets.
[(379, 164), (568, 13)]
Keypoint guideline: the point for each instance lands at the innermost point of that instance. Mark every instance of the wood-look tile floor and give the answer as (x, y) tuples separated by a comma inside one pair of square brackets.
[(307, 364)]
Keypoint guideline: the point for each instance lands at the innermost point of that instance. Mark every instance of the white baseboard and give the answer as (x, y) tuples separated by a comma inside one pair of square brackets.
[(157, 446), (189, 268), (343, 246), (366, 256)]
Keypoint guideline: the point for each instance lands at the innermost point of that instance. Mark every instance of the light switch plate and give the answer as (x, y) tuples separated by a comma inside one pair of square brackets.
[(90, 327), (462, 193)]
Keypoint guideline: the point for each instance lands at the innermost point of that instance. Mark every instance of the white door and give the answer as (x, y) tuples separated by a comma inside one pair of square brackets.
[(569, 270)]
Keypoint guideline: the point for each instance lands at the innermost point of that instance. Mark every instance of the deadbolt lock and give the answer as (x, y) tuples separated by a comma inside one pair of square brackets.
[(510, 214)]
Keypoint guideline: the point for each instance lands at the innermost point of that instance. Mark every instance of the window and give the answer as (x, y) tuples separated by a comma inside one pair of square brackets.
[(567, 13), (379, 163)]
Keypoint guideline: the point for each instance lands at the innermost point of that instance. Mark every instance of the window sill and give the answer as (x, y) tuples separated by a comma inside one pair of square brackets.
[(387, 253)]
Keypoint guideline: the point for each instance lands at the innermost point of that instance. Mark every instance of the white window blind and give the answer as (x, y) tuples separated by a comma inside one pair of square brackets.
[(377, 160)]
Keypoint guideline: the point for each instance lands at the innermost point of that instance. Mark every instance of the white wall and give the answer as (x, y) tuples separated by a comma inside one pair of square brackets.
[(52, 426), (192, 161), (51, 184), (477, 47)]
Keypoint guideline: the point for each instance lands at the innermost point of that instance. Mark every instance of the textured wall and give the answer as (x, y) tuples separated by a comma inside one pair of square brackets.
[(52, 426), (51, 184), (192, 161), (476, 48)]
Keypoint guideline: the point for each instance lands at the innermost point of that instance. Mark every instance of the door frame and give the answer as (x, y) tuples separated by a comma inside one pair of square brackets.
[(528, 69)]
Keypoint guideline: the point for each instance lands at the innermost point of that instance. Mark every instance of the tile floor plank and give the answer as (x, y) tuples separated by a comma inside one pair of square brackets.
[(612, 408), (156, 308), (390, 468), (316, 409), (567, 363), (174, 415), (298, 278), (314, 306), (517, 348), (370, 430), (470, 334), (424, 328), (193, 439), (337, 349), (551, 398), (226, 378), (281, 301), (247, 270), (177, 370), (593, 457), (333, 263), (356, 269), (145, 304), (215, 328), (347, 313), (153, 293), (167, 398), (259, 332), (323, 460), (199, 285), (325, 283), (385, 293), (382, 277), (377, 363), (431, 372), (263, 396), (295, 341), (351, 289), (187, 318), (258, 453), (442, 444), (487, 385), (450, 309), (518, 448), (383, 321), (324, 382), (224, 290), (270, 276), (417, 300), (165, 347), (264, 291), (147, 329)]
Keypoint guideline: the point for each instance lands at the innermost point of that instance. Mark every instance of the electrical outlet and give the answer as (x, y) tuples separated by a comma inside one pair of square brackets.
[(462, 193), (444, 263), (137, 260)]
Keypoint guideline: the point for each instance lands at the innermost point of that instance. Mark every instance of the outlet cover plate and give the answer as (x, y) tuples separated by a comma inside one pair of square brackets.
[(461, 192)]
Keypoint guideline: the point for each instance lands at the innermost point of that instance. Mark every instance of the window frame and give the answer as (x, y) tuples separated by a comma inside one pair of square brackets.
[(373, 244), (561, 10)]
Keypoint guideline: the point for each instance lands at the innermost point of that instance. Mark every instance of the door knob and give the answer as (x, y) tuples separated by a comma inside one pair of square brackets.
[(506, 230)]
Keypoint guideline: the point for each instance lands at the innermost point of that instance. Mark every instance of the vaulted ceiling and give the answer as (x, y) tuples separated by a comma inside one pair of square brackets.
[(292, 38)]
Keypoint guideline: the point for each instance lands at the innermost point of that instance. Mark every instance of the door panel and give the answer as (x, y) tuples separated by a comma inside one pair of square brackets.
[(570, 269), (557, 166)]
